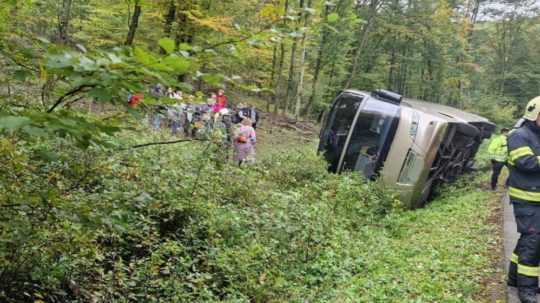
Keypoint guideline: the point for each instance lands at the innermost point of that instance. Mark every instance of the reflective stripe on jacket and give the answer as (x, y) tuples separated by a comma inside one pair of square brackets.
[(497, 148), (523, 152)]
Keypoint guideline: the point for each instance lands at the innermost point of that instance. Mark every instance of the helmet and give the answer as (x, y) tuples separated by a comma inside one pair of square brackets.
[(533, 109)]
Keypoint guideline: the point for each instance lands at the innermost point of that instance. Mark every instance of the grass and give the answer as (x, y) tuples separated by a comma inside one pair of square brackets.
[(441, 253), (174, 223)]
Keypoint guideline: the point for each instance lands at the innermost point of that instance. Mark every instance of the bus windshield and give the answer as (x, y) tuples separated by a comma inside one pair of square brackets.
[(371, 137), (339, 123)]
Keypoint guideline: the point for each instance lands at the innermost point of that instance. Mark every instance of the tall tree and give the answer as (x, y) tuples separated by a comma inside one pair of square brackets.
[(303, 45), (292, 62), (281, 55), (169, 17), (363, 32), (134, 23), (64, 18), (318, 62), (185, 31)]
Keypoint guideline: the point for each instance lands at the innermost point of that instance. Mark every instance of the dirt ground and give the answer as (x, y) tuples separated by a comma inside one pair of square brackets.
[(280, 133), (494, 287)]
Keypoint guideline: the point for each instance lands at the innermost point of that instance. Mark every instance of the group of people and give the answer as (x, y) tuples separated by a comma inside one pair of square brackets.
[(188, 116), (519, 150)]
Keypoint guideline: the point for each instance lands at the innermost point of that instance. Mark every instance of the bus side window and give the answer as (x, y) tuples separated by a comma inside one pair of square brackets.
[(411, 169)]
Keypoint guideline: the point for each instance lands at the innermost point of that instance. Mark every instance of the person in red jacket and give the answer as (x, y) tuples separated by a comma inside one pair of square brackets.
[(135, 99), (221, 100)]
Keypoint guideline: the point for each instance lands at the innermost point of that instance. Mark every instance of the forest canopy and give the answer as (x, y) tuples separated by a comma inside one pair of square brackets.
[(293, 55)]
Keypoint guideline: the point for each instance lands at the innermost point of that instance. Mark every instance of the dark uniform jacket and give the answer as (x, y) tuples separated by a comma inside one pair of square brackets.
[(524, 163)]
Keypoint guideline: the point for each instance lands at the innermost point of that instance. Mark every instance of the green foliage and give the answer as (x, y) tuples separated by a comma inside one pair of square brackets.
[(167, 44), (437, 254), (176, 224), (35, 125), (333, 17), (101, 76), (433, 50), (84, 220), (11, 123), (498, 109)]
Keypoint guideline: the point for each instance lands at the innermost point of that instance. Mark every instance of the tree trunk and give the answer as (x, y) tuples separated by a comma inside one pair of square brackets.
[(209, 5), (292, 69), (281, 60), (430, 79), (169, 18), (330, 84), (403, 70), (300, 87), (279, 76), (63, 22), (474, 14), (290, 79), (272, 75), (185, 32), (363, 34), (503, 62), (318, 65), (392, 70), (274, 62), (134, 23)]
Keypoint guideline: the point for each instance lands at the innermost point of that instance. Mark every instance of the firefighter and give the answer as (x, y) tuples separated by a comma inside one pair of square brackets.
[(524, 192), (498, 153)]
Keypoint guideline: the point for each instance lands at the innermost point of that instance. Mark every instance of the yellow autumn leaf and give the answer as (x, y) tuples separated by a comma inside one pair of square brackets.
[(270, 12)]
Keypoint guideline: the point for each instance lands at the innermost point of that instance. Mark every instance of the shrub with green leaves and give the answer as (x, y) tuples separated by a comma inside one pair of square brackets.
[(176, 224)]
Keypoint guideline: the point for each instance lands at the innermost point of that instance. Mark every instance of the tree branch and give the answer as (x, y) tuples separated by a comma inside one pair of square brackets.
[(164, 143), (72, 92), (234, 41), (10, 205), (69, 103)]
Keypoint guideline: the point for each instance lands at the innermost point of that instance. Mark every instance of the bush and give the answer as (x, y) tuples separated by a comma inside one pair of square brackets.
[(174, 224)]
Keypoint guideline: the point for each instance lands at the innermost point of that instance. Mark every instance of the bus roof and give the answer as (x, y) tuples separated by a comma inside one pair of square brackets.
[(440, 111)]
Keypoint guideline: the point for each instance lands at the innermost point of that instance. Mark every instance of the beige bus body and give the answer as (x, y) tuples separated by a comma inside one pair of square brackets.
[(430, 144)]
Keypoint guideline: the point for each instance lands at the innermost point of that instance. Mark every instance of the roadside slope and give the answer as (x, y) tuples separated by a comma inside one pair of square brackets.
[(442, 253), (176, 223)]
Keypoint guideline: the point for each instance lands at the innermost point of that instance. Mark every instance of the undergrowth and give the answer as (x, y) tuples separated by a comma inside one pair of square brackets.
[(176, 224)]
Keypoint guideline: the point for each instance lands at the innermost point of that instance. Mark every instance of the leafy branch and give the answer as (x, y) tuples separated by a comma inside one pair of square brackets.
[(238, 40), (72, 92)]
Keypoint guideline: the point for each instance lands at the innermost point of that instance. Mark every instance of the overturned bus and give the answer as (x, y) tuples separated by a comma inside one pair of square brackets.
[(411, 145)]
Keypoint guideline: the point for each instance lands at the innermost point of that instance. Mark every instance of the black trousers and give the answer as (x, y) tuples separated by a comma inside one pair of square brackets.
[(496, 167), (524, 264)]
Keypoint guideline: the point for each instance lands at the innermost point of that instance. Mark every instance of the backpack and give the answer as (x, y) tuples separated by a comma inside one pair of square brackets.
[(235, 118), (242, 139)]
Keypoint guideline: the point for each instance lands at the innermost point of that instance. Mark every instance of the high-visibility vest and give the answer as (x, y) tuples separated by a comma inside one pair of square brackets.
[(498, 149)]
